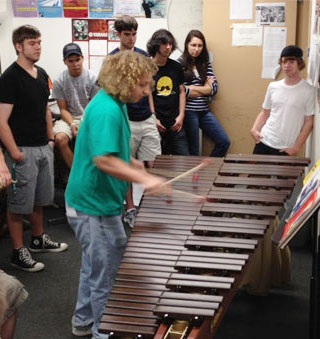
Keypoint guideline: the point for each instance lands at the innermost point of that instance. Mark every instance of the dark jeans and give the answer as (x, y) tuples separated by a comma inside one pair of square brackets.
[(174, 143), (262, 148), (211, 127)]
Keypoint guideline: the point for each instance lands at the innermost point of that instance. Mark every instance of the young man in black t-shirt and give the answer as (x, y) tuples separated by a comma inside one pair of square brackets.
[(169, 94), (26, 133)]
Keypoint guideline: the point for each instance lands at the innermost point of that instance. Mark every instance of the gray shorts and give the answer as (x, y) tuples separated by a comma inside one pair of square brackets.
[(12, 295), (145, 139), (35, 180)]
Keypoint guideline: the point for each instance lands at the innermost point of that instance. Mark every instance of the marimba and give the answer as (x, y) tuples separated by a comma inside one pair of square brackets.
[(184, 261)]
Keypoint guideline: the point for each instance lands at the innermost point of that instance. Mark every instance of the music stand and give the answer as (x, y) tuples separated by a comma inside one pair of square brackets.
[(310, 213)]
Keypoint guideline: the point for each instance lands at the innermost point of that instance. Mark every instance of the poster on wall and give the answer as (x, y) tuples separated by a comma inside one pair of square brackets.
[(274, 40), (50, 8), (270, 13), (240, 9), (112, 33), (24, 8), (154, 8), (75, 8), (100, 8), (92, 37), (127, 7), (98, 29), (80, 29)]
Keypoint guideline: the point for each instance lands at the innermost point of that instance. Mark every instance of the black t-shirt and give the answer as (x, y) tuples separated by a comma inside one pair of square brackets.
[(29, 97), (140, 110), (166, 91)]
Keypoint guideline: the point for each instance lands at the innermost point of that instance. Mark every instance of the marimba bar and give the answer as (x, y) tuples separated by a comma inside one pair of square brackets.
[(184, 261)]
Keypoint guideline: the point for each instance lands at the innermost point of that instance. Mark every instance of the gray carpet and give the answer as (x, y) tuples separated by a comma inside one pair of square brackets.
[(52, 293)]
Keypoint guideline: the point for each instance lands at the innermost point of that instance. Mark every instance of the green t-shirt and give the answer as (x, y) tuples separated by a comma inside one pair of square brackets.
[(104, 130)]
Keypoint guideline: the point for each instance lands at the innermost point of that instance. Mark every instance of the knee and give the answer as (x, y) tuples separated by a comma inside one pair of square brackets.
[(62, 140)]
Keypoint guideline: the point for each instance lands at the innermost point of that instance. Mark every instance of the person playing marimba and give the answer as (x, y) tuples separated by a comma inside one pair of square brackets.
[(98, 182)]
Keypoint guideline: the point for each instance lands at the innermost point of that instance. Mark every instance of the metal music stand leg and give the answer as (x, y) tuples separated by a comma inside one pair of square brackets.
[(314, 332)]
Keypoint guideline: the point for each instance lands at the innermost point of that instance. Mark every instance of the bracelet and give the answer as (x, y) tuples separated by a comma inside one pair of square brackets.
[(73, 124), (51, 140)]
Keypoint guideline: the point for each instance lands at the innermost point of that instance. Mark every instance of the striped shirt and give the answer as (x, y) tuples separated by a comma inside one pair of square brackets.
[(200, 103)]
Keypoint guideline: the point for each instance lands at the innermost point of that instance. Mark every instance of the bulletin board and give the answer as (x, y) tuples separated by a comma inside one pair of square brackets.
[(238, 70), (96, 38)]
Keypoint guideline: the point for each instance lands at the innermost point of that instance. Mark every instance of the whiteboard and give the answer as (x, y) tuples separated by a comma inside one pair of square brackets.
[(183, 16)]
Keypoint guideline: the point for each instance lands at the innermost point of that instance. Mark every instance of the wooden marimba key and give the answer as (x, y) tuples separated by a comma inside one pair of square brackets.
[(184, 261)]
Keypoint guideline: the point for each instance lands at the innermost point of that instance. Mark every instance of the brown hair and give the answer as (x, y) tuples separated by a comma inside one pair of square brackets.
[(125, 23), (201, 62), (24, 32)]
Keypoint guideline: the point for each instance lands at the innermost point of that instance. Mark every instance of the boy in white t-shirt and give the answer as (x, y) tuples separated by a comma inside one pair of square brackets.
[(286, 118)]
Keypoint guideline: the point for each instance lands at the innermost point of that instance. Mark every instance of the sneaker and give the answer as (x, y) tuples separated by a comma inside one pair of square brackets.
[(130, 216), (81, 331), (43, 243), (21, 258)]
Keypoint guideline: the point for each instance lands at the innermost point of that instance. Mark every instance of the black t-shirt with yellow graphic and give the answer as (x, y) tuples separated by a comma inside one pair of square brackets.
[(166, 92)]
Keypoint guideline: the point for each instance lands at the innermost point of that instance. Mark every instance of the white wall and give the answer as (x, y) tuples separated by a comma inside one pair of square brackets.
[(56, 32)]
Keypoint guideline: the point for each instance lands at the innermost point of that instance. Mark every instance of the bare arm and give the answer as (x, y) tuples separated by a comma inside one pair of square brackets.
[(182, 105), (49, 123), (201, 91), (6, 134), (258, 124), (151, 103), (67, 116), (303, 135), (5, 176), (160, 127), (128, 172)]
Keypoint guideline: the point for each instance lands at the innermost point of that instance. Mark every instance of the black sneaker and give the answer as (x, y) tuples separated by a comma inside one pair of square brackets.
[(43, 243), (21, 258)]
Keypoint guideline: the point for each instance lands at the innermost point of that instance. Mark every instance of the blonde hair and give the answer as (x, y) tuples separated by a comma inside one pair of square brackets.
[(121, 72)]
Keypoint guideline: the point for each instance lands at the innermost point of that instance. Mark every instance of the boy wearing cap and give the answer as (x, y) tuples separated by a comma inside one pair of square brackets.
[(73, 89), (26, 133), (286, 118)]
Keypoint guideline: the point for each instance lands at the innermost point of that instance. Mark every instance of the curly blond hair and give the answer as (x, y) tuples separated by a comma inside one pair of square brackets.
[(121, 72)]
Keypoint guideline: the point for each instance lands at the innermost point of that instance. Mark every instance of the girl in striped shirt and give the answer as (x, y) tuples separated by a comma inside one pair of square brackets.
[(201, 85)]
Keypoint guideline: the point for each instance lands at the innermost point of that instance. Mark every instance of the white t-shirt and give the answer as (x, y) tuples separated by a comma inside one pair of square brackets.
[(76, 91), (289, 104)]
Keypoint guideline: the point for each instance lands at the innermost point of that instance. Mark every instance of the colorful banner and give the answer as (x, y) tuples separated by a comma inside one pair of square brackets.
[(24, 8), (50, 8), (75, 8), (100, 8)]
